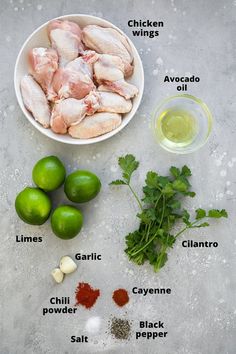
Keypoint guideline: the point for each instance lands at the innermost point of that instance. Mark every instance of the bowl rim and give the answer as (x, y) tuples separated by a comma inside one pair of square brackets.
[(197, 101), (58, 137)]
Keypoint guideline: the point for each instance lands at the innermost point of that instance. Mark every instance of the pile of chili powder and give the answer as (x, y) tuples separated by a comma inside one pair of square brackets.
[(85, 295)]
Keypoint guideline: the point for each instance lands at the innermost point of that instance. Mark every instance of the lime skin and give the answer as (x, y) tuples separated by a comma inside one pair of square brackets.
[(81, 186), (33, 206), (66, 222), (49, 173)]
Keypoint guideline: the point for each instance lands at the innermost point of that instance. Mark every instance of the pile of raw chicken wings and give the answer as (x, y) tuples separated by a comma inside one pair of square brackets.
[(78, 85)]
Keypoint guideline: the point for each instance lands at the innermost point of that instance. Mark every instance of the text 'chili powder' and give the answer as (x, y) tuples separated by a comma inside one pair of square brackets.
[(85, 295), (121, 297)]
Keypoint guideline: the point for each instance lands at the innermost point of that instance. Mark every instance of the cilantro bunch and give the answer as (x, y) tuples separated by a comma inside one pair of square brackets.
[(160, 209)]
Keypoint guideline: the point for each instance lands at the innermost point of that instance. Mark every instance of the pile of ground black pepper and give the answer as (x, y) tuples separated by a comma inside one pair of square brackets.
[(120, 329)]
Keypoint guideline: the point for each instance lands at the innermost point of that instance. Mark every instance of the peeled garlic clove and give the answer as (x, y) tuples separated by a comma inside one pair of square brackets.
[(67, 265), (57, 275)]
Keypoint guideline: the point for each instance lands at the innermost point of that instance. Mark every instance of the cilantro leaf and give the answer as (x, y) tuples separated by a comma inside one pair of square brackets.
[(128, 165), (186, 171), (200, 213), (174, 204), (118, 182), (151, 195), (133, 238), (180, 185), (175, 171), (215, 213), (168, 190), (190, 194), (168, 240), (147, 215), (152, 179), (163, 181), (186, 217)]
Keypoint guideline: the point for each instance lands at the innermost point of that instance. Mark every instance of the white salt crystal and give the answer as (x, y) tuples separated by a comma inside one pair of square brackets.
[(93, 324)]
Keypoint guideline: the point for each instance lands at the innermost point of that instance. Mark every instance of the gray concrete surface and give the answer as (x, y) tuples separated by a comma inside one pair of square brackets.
[(198, 38)]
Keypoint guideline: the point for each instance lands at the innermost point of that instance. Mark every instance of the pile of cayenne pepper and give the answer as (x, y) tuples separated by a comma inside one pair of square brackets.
[(85, 295), (121, 297)]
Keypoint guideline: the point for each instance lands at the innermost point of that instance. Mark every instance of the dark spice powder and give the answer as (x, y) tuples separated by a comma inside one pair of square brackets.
[(121, 297), (120, 329), (85, 295)]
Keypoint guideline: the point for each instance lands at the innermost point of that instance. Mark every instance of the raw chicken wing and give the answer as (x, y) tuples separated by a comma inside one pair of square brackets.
[(121, 87), (109, 72), (109, 41), (90, 56), (79, 64), (65, 37), (71, 111), (43, 64), (112, 102), (35, 100), (95, 125), (73, 81), (108, 68)]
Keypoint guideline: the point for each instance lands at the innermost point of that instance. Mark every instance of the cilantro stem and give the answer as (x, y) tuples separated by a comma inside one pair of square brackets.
[(158, 200), (156, 233), (190, 226), (135, 196), (181, 231), (151, 223), (163, 210), (144, 246), (148, 231)]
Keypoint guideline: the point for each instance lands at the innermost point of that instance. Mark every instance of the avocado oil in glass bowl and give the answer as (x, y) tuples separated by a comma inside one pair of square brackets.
[(182, 124)]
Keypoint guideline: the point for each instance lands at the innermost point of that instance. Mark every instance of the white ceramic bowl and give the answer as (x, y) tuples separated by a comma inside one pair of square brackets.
[(39, 38)]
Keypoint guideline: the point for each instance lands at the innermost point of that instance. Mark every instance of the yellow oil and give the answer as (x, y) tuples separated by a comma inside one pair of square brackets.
[(177, 126)]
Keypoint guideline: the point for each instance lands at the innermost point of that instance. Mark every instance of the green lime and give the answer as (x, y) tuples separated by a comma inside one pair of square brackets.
[(33, 206), (82, 186), (49, 173), (66, 222)]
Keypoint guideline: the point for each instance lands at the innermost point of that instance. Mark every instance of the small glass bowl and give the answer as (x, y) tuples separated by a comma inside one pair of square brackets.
[(198, 109)]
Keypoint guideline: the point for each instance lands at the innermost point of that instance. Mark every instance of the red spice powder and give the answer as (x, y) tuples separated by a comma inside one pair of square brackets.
[(85, 295), (121, 297)]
